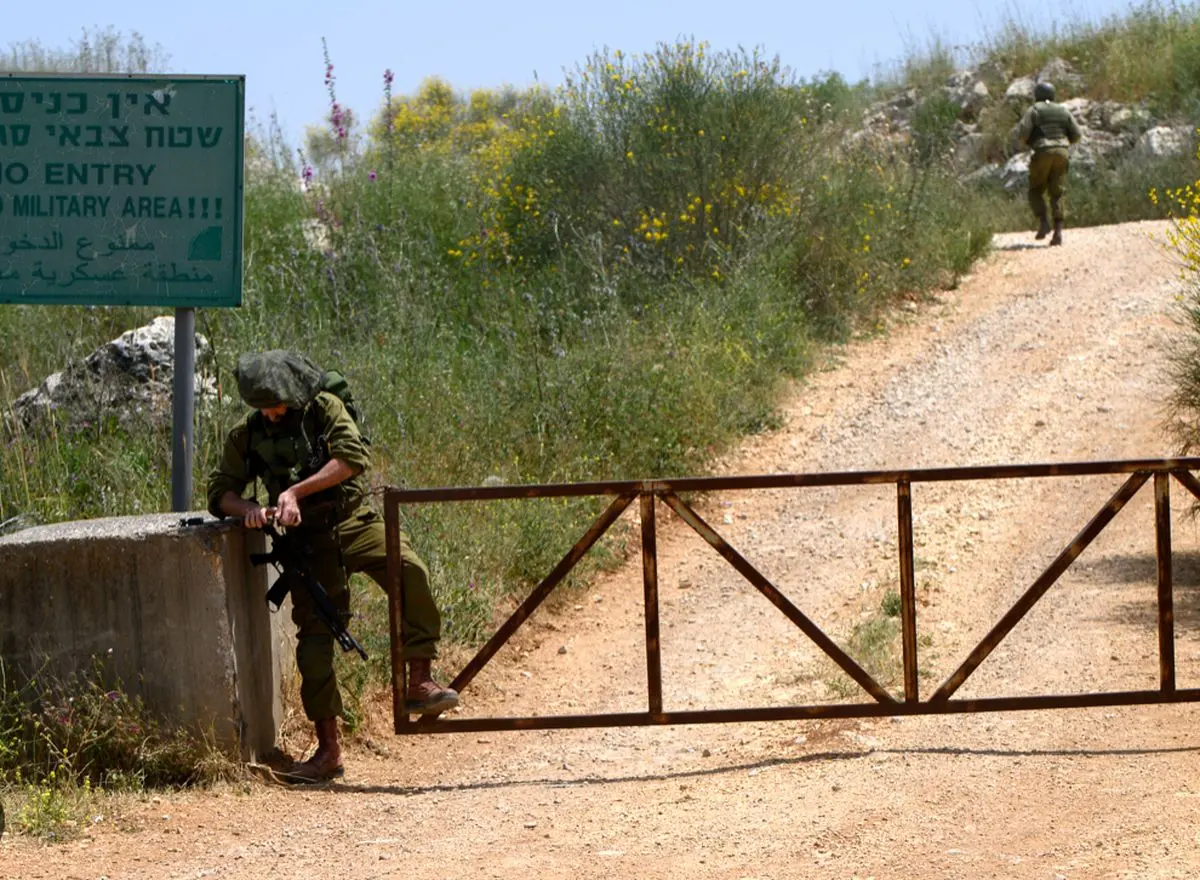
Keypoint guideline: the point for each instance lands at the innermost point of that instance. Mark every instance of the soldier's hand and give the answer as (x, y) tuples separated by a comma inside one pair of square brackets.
[(288, 512), (256, 517)]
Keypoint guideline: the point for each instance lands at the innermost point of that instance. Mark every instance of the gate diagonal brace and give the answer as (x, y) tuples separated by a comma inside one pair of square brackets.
[(552, 580), (1039, 587), (790, 611), (1188, 481), (523, 612)]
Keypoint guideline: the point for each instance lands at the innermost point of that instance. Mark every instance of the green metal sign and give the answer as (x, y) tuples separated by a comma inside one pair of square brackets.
[(121, 190)]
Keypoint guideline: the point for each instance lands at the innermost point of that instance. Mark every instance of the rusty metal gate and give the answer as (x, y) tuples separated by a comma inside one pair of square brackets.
[(647, 492)]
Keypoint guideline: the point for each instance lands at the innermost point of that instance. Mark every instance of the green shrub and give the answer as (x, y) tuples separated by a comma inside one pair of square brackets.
[(891, 604), (933, 122), (875, 645), (1183, 205)]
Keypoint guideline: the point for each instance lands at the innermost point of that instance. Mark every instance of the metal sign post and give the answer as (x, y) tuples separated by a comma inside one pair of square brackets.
[(125, 190), (183, 409)]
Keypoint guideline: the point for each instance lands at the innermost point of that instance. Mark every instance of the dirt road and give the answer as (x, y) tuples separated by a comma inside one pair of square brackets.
[(1041, 355)]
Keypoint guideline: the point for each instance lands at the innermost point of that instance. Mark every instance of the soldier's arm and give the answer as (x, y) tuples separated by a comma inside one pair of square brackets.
[(333, 472), (251, 512), (341, 433), (229, 479), (1024, 129)]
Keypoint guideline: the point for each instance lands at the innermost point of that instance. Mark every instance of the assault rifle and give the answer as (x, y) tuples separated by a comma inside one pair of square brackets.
[(291, 561)]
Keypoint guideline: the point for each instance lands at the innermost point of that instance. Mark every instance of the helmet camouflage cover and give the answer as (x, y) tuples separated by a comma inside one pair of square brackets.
[(273, 377)]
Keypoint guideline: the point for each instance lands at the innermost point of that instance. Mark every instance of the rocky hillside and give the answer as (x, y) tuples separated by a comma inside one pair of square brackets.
[(975, 109)]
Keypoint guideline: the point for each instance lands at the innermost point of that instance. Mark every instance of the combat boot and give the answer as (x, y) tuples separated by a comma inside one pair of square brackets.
[(326, 762), (1056, 238), (1043, 227), (425, 696)]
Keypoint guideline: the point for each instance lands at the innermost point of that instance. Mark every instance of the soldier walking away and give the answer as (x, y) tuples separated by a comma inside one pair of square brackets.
[(1048, 129), (305, 446)]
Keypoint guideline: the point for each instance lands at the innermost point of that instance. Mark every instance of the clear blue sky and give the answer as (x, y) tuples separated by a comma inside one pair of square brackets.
[(473, 44)]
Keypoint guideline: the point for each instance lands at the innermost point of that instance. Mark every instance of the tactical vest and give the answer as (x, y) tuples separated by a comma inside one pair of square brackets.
[(1051, 126), (285, 458)]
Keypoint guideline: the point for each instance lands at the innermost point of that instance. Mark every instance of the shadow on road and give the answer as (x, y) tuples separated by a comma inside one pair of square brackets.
[(603, 780), (1142, 568), (1034, 753), (815, 757)]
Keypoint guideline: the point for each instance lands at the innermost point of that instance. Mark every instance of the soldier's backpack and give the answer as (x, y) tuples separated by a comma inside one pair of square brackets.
[(336, 384)]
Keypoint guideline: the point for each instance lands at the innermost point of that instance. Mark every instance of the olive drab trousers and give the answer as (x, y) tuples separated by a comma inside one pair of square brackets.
[(1048, 174), (356, 544)]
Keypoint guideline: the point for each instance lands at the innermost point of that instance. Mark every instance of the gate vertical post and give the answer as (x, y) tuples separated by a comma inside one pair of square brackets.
[(908, 591), (650, 589), (395, 593), (1166, 602)]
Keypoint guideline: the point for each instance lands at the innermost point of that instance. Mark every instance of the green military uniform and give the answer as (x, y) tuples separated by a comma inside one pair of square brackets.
[(1048, 129), (344, 534)]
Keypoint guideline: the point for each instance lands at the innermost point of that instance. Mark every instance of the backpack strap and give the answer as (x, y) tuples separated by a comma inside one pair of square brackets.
[(254, 430), (260, 469), (316, 438)]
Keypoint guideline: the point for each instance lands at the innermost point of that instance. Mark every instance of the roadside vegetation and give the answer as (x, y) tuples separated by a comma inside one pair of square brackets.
[(1184, 240), (64, 742), (613, 279)]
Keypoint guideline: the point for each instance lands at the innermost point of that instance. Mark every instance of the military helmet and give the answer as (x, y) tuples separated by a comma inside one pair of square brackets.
[(269, 378), (1043, 91)]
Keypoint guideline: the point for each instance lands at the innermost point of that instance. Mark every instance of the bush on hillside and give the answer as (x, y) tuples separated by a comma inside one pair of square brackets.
[(1184, 239)]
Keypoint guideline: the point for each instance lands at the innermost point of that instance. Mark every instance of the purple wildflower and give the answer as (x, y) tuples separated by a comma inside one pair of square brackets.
[(371, 175)]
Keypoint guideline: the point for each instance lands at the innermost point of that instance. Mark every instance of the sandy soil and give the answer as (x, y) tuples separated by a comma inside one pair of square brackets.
[(1041, 355)]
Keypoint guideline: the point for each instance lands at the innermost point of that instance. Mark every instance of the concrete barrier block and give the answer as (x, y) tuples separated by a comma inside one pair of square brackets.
[(176, 611)]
